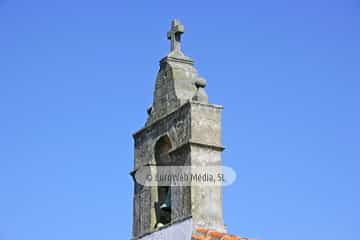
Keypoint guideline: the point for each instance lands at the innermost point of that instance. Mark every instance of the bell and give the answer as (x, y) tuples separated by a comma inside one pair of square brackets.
[(166, 205)]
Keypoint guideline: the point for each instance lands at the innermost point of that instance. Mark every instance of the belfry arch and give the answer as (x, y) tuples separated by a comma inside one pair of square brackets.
[(163, 204)]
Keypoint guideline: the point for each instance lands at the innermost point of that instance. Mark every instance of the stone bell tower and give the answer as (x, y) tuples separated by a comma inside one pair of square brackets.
[(182, 129)]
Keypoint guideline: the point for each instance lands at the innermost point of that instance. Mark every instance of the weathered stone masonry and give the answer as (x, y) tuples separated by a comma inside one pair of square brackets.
[(182, 115)]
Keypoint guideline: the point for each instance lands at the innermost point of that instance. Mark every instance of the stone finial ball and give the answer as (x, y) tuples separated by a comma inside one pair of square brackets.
[(200, 82)]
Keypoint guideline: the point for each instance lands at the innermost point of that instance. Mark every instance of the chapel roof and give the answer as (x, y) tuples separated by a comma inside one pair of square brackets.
[(207, 234)]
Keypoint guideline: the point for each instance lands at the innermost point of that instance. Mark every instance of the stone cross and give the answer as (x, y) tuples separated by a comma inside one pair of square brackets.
[(174, 35)]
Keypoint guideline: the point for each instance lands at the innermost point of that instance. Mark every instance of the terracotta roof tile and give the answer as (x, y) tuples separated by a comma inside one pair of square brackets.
[(207, 234)]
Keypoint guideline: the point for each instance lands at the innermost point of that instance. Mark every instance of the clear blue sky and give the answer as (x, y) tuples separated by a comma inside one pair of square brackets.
[(77, 76)]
